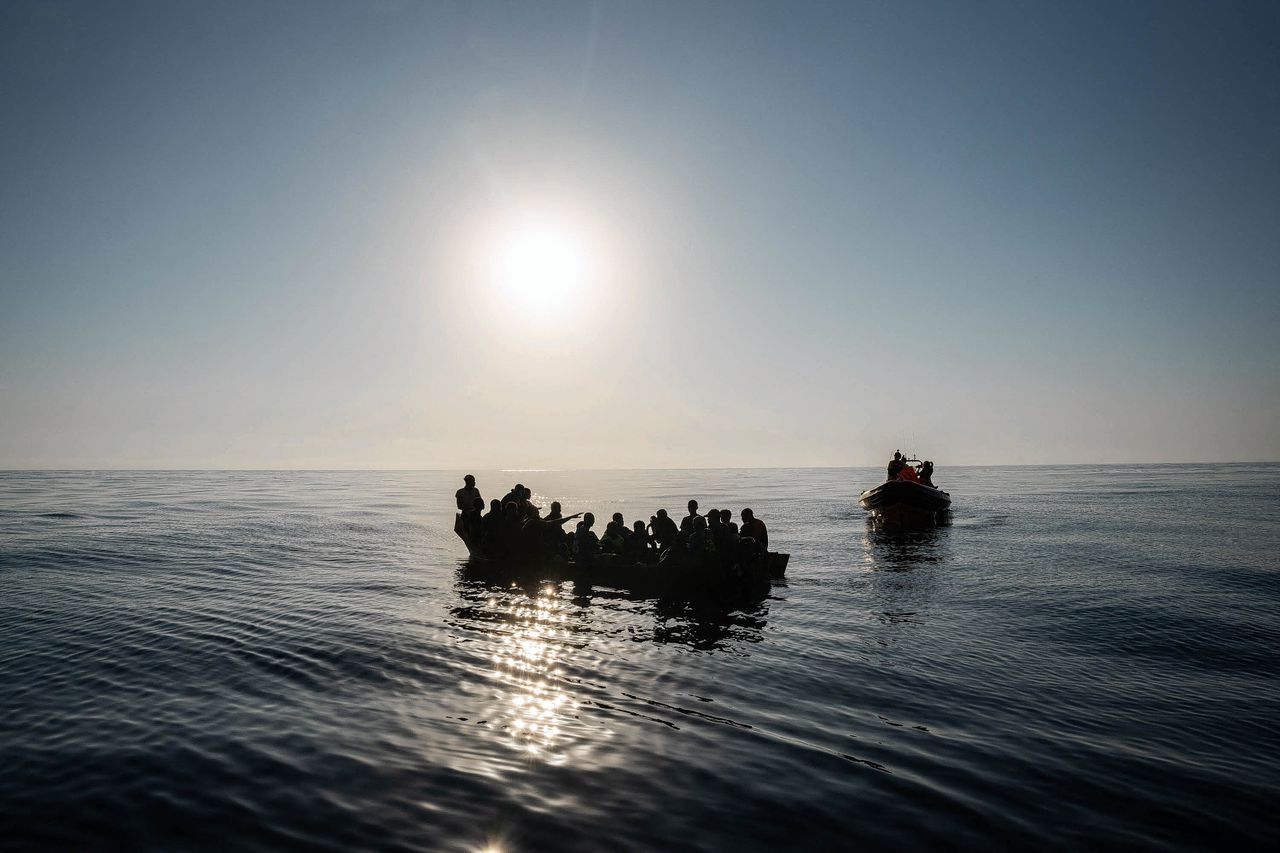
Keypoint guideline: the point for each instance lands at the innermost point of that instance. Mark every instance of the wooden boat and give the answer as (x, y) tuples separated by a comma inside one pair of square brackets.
[(674, 572), (777, 564)]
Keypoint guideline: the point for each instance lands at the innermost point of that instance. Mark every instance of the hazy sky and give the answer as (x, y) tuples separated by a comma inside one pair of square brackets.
[(289, 234)]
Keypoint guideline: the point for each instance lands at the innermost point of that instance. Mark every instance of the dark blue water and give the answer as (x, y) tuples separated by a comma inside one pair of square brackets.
[(248, 661)]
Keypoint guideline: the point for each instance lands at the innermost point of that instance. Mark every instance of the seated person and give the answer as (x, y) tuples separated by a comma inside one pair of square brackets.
[(530, 511), (514, 496), (715, 525), (686, 523), (554, 536), (615, 536), (491, 519), (749, 550), (639, 546), (926, 472), (503, 535), (511, 517), (701, 540), (664, 529), (473, 520), (585, 541), (727, 542), (754, 527)]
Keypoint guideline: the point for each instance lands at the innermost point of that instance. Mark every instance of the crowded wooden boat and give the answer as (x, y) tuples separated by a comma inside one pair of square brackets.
[(705, 553)]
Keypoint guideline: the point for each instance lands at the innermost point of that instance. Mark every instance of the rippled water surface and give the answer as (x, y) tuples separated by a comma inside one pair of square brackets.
[(251, 660)]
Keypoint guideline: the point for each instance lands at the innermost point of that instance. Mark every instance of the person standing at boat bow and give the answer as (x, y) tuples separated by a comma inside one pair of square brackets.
[(467, 496)]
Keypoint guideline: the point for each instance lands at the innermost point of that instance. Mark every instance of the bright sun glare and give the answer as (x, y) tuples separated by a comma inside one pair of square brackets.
[(541, 267)]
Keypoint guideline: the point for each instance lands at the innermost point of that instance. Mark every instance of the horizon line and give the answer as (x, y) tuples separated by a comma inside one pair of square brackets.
[(563, 470)]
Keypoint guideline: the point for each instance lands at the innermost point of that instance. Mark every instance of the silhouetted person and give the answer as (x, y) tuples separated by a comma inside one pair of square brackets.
[(700, 538), (467, 495), (554, 536), (585, 541), (726, 518), (727, 541), (474, 520), (715, 526), (510, 526), (754, 527), (639, 544), (491, 520), (528, 508), (514, 496), (895, 465), (615, 535), (686, 523), (926, 472), (665, 531)]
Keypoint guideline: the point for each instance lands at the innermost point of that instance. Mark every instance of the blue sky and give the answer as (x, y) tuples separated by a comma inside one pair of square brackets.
[(255, 234)]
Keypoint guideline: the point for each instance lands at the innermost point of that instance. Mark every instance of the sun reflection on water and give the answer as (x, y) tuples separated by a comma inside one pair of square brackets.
[(528, 663), (546, 652)]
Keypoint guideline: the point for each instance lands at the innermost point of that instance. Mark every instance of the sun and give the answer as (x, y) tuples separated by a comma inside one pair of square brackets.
[(541, 266)]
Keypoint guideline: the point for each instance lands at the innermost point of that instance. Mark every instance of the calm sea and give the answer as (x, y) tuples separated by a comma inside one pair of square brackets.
[(257, 660)]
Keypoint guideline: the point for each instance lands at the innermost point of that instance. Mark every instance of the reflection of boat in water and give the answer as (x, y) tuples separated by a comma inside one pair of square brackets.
[(677, 573), (706, 624), (897, 547)]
